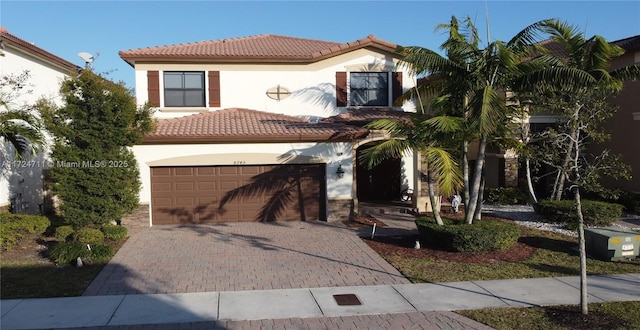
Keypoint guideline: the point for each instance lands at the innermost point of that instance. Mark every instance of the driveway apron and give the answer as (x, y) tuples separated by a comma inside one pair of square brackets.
[(242, 256)]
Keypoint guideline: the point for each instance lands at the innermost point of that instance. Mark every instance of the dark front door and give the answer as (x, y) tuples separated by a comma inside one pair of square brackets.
[(380, 183)]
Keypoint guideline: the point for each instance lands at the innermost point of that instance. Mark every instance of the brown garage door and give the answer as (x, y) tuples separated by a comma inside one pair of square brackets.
[(208, 194)]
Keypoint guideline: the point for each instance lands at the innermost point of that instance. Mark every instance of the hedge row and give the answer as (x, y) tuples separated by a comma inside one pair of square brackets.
[(454, 235), (595, 213), (15, 227), (506, 196)]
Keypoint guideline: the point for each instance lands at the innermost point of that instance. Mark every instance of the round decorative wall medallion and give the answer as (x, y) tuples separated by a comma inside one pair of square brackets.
[(278, 93)]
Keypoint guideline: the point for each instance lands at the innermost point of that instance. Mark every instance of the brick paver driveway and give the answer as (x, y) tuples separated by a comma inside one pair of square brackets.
[(242, 256)]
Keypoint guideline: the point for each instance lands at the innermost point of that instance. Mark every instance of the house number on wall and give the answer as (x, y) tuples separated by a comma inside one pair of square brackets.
[(239, 162)]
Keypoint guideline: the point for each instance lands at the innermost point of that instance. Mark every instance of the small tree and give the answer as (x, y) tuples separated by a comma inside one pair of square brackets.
[(94, 173), (577, 88)]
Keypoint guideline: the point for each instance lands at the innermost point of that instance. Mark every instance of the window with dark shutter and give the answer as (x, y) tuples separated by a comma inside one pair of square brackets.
[(153, 88), (341, 89), (214, 88), (396, 88)]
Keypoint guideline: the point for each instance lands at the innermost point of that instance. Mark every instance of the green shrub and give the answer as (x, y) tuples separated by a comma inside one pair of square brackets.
[(630, 201), (88, 236), (65, 253), (15, 227), (10, 238), (114, 232), (63, 233), (595, 213), (506, 196), (484, 235), (100, 253)]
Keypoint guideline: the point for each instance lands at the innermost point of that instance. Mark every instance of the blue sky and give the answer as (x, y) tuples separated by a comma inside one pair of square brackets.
[(66, 28)]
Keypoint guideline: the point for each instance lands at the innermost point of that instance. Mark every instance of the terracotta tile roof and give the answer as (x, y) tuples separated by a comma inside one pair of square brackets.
[(631, 43), (244, 125), (9, 39), (553, 47), (361, 116), (258, 48)]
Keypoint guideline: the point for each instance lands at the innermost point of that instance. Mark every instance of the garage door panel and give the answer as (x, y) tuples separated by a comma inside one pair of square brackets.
[(161, 171), (229, 185), (206, 171), (193, 194), (206, 186), (185, 186), (228, 170), (161, 187)]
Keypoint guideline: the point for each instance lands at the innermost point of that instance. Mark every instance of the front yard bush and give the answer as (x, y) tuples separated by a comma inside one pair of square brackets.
[(100, 253), (114, 232), (595, 213), (89, 236), (506, 196), (15, 227), (65, 253), (63, 233), (454, 235)]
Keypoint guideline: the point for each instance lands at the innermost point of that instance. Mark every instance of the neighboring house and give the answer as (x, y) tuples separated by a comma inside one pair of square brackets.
[(21, 184), (267, 128), (502, 166), (624, 126)]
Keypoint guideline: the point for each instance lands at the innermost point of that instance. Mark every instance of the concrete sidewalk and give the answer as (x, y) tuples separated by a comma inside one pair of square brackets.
[(216, 309)]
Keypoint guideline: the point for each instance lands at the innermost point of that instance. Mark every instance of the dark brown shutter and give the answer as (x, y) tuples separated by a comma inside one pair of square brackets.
[(341, 89), (153, 87), (396, 87), (214, 88)]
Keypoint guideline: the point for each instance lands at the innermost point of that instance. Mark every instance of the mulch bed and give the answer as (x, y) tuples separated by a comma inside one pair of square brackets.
[(363, 221), (404, 247)]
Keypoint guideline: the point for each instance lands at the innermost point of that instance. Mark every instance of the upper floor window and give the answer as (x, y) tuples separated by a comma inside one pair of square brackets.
[(184, 89), (369, 89)]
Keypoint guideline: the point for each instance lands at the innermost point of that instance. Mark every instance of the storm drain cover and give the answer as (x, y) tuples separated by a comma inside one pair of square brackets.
[(348, 299)]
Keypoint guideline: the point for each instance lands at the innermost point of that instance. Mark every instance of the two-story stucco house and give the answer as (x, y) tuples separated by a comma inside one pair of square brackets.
[(267, 127), (21, 183)]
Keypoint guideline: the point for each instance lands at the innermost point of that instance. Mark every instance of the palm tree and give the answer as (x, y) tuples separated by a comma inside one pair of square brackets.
[(20, 128), (474, 80)]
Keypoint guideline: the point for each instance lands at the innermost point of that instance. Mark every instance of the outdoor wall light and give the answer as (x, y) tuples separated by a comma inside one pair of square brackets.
[(339, 171)]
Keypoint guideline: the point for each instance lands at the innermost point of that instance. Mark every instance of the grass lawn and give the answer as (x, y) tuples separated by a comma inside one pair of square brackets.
[(610, 315), (555, 255), (537, 254), (26, 272), (28, 279)]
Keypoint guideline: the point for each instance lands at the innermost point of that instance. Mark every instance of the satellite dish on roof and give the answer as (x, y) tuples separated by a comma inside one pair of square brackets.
[(86, 57)]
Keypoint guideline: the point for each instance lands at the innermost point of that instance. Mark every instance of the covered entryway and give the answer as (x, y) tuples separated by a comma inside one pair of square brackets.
[(380, 183), (237, 193)]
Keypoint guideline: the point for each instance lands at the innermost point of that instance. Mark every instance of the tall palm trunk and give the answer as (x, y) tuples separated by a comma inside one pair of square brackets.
[(532, 193), (477, 215), (432, 199), (474, 190), (465, 173)]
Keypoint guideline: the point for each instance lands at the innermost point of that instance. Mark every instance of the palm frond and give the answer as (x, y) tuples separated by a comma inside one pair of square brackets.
[(388, 149)]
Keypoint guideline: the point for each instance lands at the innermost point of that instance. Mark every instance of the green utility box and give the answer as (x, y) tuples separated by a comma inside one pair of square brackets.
[(612, 243)]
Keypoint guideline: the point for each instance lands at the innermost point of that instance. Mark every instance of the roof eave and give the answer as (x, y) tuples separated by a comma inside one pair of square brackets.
[(33, 50), (338, 137)]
